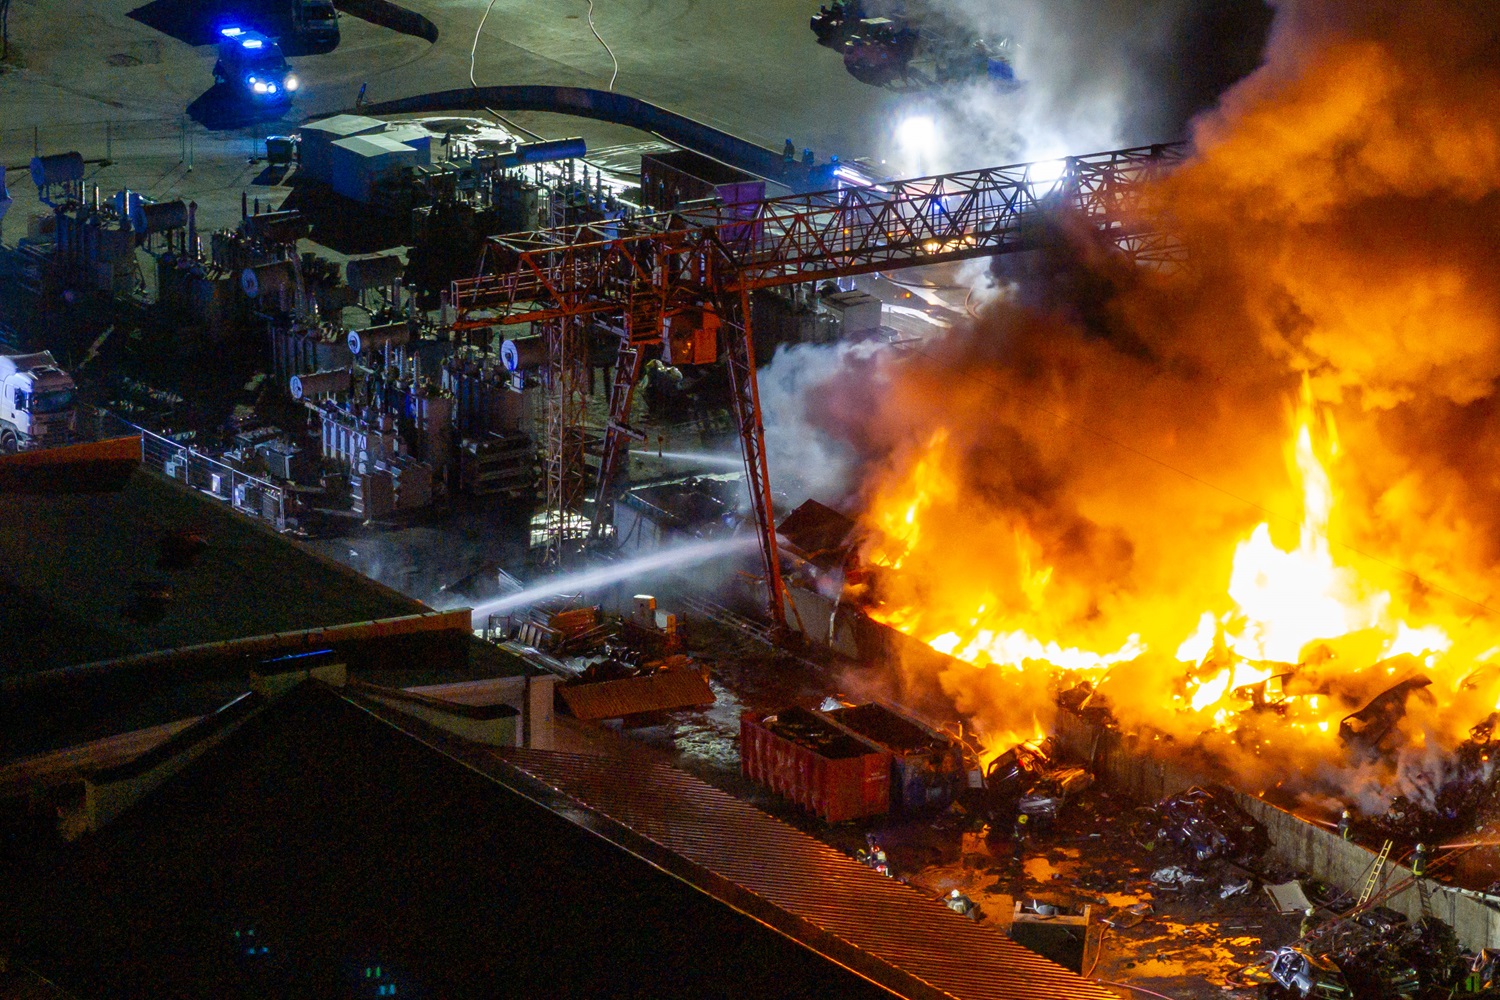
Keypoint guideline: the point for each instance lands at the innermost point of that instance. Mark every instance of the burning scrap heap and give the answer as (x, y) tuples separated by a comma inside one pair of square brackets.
[(1249, 503)]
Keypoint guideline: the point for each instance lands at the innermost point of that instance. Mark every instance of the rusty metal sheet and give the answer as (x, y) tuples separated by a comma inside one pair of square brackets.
[(887, 930), (659, 692)]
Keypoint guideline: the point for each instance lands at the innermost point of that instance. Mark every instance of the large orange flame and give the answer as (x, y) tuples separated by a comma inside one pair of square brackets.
[(1298, 614)]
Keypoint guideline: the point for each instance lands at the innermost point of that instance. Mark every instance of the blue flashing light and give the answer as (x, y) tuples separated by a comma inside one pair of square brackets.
[(252, 43), (296, 656), (231, 32)]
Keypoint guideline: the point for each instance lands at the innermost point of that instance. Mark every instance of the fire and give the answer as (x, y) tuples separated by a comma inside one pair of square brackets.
[(1289, 618)]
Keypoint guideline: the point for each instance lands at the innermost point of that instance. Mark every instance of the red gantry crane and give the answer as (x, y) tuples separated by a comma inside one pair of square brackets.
[(683, 279)]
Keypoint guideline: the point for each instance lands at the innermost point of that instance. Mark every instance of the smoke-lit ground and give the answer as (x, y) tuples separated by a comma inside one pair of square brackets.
[(1078, 481)]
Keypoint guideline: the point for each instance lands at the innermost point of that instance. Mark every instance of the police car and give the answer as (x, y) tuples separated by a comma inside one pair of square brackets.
[(252, 64)]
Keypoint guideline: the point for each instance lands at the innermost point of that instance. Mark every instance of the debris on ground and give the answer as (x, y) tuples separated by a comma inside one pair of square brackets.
[(1127, 916), (1307, 974), (1208, 824), (1027, 779), (1229, 889), (1289, 897), (1175, 875)]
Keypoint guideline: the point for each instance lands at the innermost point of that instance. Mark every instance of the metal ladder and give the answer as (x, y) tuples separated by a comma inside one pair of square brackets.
[(1369, 890)]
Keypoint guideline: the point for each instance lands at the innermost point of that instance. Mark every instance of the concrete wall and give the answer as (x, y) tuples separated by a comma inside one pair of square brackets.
[(530, 694), (1128, 764), (499, 731)]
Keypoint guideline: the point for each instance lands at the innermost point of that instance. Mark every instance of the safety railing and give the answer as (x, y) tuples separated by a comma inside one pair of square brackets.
[(249, 495), (177, 140)]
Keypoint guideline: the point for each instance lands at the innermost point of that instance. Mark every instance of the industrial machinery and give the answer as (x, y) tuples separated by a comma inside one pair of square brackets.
[(833, 24), (974, 59), (880, 49), (37, 402), (316, 21), (252, 65), (683, 276)]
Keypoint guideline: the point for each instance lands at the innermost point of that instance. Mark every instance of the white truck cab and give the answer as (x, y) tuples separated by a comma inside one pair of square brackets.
[(37, 402)]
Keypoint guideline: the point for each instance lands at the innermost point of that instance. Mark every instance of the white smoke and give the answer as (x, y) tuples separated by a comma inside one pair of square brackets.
[(1087, 71), (806, 462)]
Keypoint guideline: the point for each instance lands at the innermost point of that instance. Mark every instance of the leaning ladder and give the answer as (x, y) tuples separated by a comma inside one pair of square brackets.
[(1369, 890)]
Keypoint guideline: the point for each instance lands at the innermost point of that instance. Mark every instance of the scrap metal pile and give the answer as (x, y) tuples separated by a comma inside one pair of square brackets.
[(1460, 795), (1028, 780), (1380, 955), (630, 667)]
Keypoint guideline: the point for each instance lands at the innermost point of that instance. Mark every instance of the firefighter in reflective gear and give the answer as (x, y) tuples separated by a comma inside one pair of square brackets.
[(959, 903), (1346, 823), (1419, 861), (1309, 920), (1018, 834)]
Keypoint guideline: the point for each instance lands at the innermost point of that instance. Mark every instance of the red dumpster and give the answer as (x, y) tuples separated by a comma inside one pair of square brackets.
[(826, 771)]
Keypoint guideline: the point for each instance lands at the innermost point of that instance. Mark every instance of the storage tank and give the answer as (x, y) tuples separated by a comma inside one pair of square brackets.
[(59, 168), (546, 151), (269, 281), (319, 383), (376, 337), (147, 217), (523, 353)]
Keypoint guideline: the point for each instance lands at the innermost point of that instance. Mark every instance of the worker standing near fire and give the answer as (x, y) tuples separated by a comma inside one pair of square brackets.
[(1419, 861), (1346, 823), (1018, 834), (1309, 921)]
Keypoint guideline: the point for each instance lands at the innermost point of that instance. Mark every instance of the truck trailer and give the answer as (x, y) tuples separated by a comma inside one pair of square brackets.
[(37, 402)]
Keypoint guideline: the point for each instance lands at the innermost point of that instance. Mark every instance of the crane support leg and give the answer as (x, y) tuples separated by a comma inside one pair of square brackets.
[(628, 363), (565, 415), (740, 357)]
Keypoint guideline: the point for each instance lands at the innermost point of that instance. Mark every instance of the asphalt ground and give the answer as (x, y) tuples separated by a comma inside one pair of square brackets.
[(751, 68)]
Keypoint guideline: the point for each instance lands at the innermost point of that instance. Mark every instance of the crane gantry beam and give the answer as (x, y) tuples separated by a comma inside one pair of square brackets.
[(634, 275)]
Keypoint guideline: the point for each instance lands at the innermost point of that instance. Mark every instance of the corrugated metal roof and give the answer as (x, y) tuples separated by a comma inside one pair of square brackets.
[(911, 935), (658, 692)]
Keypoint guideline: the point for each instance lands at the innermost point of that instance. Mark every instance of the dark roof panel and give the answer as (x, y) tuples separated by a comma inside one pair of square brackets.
[(71, 566), (344, 843), (878, 916)]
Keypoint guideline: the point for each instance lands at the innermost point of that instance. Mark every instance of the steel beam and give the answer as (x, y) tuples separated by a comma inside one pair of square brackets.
[(658, 265), (739, 355)]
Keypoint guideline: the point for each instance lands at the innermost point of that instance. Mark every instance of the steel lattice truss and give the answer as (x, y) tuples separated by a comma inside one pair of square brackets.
[(725, 248), (631, 276)]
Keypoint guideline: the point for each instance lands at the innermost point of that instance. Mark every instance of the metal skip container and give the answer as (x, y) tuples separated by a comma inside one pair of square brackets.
[(927, 767), (818, 766)]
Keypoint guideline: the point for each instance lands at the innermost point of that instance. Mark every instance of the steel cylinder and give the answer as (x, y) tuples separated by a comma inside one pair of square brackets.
[(157, 217), (376, 337), (59, 168), (268, 280), (523, 353), (319, 383)]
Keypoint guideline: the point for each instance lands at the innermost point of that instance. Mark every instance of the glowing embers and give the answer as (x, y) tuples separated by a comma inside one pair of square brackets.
[(1297, 636)]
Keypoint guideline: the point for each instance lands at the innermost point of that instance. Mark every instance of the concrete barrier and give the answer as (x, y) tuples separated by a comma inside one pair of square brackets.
[(1135, 766)]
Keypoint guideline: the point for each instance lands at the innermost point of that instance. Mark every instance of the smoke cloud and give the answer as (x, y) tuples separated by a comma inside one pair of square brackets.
[(1090, 75), (1082, 473)]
